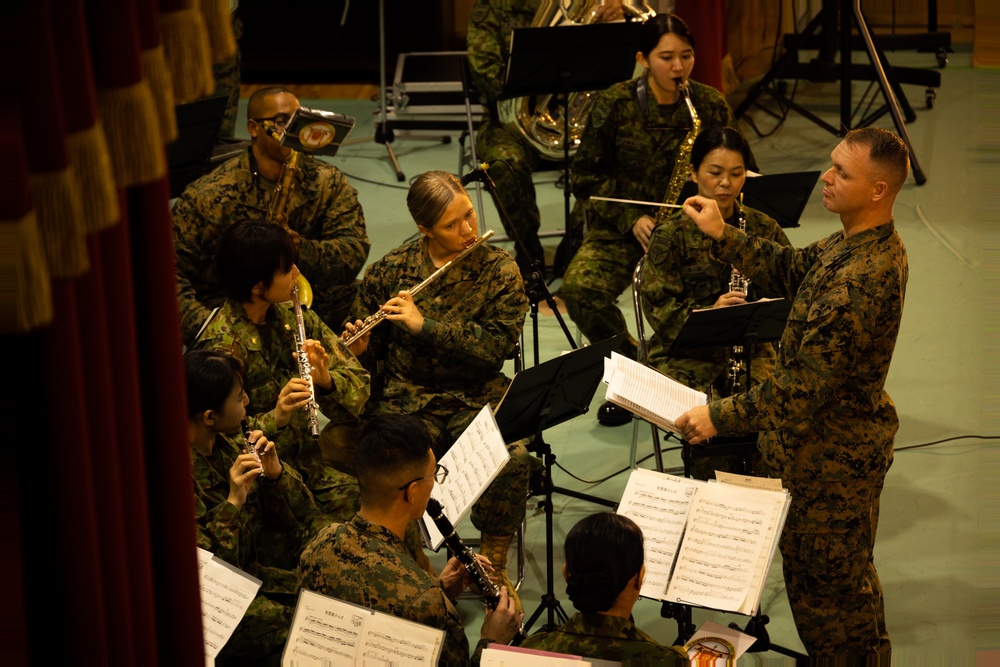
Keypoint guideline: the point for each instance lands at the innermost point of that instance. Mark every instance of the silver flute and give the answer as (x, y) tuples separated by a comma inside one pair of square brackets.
[(305, 368), (247, 447)]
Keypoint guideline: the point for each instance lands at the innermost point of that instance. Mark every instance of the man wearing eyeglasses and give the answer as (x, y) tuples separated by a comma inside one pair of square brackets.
[(324, 218), (365, 561)]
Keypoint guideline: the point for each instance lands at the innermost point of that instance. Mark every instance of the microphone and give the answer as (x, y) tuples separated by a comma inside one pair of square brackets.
[(477, 174)]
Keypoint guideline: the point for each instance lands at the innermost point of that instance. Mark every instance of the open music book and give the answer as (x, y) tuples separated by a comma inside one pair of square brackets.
[(328, 631), (473, 462), (226, 594), (708, 544), (648, 392)]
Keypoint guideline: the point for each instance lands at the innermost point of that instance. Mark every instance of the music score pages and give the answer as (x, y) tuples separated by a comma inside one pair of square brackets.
[(648, 392)]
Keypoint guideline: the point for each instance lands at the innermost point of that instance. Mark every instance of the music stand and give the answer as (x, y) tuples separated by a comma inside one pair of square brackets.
[(316, 131), (781, 196), (541, 397), (190, 154)]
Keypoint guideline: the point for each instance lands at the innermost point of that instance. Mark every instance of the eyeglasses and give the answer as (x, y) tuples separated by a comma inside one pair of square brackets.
[(280, 120), (440, 474)]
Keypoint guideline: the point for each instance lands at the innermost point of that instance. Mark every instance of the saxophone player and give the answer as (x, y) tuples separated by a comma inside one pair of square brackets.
[(682, 275), (322, 214)]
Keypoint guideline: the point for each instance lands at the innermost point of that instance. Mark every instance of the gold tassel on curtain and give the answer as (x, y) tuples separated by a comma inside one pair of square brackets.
[(22, 265), (56, 196), (154, 65), (185, 44), (133, 131), (219, 24), (88, 153)]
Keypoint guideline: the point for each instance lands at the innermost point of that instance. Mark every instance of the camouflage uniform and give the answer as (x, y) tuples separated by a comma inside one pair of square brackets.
[(263, 538), (827, 423), (473, 316), (625, 153), (682, 275), (266, 353), (606, 638), (490, 28), (367, 564), (324, 210)]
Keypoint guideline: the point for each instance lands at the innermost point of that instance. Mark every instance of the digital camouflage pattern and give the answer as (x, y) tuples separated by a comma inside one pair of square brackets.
[(606, 638), (263, 538), (490, 28), (473, 317), (367, 564), (827, 422), (324, 210), (266, 353), (681, 275), (626, 154)]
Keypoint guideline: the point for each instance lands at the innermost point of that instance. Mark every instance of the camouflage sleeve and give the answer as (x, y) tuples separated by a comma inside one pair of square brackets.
[(351, 382), (219, 529), (833, 330), (433, 608), (339, 250), (289, 503), (778, 268), (485, 51), (491, 337), (191, 262)]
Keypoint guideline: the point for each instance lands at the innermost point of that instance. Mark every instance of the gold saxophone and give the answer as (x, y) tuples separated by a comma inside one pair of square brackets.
[(541, 124), (277, 212), (682, 163), (738, 283)]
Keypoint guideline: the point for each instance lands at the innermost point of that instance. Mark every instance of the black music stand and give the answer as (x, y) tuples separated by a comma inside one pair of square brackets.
[(316, 131), (781, 196), (568, 59), (189, 156), (541, 397)]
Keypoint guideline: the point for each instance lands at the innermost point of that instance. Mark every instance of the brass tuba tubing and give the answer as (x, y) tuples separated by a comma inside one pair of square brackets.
[(375, 318)]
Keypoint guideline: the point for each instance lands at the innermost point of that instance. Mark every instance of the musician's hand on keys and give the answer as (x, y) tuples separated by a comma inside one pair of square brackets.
[(402, 309), (706, 215), (696, 425), (359, 346), (319, 359), (455, 578), (243, 472), (295, 236), (642, 230), (501, 624), (609, 11), (730, 299), (268, 454), (293, 396)]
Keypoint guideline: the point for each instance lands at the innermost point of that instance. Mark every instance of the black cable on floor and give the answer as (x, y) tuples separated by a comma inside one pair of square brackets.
[(956, 437), (614, 474)]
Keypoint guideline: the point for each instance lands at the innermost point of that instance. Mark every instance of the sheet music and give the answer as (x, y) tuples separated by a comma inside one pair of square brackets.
[(473, 462), (729, 530), (226, 593), (649, 393), (499, 655), (327, 631), (658, 503)]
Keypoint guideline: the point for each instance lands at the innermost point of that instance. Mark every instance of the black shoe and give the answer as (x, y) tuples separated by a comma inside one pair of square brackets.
[(610, 414)]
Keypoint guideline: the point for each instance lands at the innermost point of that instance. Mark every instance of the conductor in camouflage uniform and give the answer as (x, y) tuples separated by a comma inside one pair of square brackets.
[(827, 422), (251, 510), (256, 265), (628, 151), (604, 571), (365, 560), (440, 356), (681, 275), (325, 219)]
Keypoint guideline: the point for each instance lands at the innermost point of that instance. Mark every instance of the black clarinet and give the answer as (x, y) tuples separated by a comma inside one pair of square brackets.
[(480, 577)]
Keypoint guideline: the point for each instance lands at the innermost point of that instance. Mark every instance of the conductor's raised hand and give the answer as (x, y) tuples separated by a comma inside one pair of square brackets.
[(501, 624), (402, 309), (706, 215), (696, 425), (359, 346)]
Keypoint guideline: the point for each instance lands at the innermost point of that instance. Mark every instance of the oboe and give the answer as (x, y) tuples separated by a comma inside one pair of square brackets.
[(305, 368), (480, 577), (247, 447), (738, 283)]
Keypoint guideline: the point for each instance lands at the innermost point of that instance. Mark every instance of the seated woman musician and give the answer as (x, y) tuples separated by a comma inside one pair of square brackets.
[(440, 355), (604, 571), (681, 275)]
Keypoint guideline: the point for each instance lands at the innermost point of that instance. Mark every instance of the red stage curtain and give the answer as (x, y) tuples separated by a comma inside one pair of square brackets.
[(707, 20)]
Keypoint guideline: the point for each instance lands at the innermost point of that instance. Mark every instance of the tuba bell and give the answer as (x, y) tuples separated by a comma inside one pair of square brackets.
[(539, 120)]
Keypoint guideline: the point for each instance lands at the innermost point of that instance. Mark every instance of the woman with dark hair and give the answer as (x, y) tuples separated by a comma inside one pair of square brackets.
[(629, 151), (251, 510), (604, 572), (440, 356)]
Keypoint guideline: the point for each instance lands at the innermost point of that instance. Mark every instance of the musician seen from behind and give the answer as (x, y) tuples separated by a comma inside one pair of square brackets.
[(251, 509), (365, 560), (490, 27), (322, 213), (604, 569), (826, 421), (256, 268), (682, 275), (441, 353), (634, 148)]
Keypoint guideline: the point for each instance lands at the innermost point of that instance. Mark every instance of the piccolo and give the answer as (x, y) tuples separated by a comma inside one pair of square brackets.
[(247, 447), (375, 318)]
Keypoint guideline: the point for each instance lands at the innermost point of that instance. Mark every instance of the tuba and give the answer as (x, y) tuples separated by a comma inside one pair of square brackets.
[(542, 123)]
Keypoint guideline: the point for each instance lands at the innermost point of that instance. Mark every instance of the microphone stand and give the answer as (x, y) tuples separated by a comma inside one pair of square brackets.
[(535, 286)]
